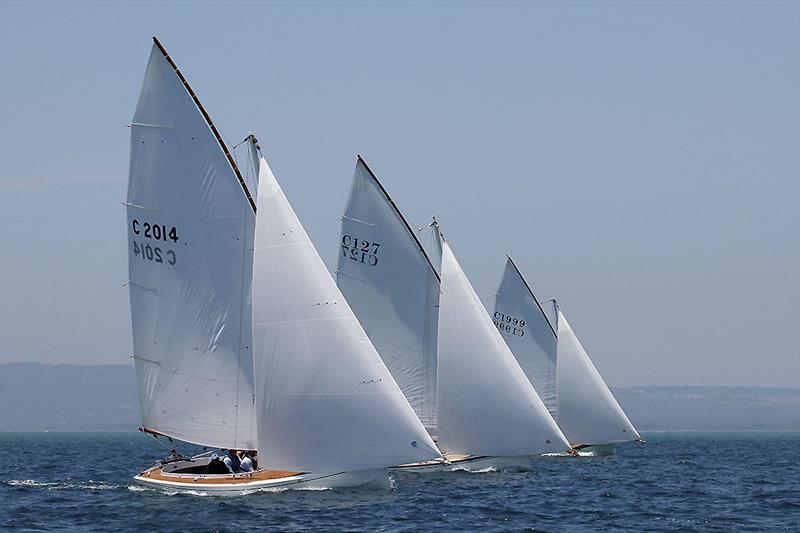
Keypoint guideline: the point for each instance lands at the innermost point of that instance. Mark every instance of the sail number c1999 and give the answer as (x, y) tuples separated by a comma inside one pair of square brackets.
[(360, 250), (509, 324)]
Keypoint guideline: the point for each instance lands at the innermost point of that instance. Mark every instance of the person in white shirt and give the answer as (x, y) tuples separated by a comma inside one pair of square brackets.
[(246, 464)]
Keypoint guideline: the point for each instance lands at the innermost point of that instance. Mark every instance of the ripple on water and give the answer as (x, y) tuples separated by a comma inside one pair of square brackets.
[(716, 482)]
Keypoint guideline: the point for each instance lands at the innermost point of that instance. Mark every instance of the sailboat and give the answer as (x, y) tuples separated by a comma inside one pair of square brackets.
[(557, 364), (241, 339), (437, 339)]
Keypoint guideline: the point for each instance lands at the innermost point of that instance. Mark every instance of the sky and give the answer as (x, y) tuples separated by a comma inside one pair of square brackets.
[(640, 161)]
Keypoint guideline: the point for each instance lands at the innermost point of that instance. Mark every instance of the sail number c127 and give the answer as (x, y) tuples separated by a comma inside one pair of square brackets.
[(360, 250)]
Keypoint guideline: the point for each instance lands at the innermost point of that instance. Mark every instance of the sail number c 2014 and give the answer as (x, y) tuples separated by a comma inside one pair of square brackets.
[(509, 324), (156, 232), (360, 250)]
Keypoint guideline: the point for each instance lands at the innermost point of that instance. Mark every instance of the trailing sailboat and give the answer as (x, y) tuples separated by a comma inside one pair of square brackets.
[(241, 339), (472, 396), (555, 362)]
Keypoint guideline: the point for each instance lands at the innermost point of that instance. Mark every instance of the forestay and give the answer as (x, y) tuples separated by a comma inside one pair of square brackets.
[(325, 400), (532, 339), (190, 230), (587, 411), (392, 288), (486, 404)]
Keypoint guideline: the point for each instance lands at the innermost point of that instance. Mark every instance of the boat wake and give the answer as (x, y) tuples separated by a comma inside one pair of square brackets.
[(62, 485)]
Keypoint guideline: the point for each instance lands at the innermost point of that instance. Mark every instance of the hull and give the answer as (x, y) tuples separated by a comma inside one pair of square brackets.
[(468, 463), (168, 477)]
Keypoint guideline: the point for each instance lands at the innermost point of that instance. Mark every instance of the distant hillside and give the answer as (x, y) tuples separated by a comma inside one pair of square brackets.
[(76, 397), (711, 408)]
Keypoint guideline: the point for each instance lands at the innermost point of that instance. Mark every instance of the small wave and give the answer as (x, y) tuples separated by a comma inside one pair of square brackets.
[(487, 470), (62, 485)]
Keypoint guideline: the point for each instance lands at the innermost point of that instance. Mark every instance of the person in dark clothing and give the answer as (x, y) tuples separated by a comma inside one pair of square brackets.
[(216, 466)]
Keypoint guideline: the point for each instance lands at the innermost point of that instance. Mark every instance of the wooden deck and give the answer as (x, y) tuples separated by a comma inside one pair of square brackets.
[(155, 473)]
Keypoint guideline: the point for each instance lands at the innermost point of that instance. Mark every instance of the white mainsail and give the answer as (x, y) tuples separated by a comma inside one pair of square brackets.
[(393, 289), (486, 404), (528, 333), (325, 400), (587, 411), (190, 231), (582, 404)]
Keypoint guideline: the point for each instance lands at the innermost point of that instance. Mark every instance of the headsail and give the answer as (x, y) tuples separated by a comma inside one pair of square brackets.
[(190, 231), (486, 404), (325, 400), (522, 321), (587, 411), (392, 288)]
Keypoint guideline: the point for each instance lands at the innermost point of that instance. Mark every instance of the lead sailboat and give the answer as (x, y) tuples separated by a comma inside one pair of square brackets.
[(437, 339), (556, 363), (241, 339)]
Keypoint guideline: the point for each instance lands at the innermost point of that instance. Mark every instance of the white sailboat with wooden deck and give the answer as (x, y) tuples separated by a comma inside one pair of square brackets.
[(556, 363), (241, 339), (437, 339)]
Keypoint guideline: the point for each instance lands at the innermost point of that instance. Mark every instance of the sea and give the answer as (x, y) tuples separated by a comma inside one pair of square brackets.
[(682, 481)]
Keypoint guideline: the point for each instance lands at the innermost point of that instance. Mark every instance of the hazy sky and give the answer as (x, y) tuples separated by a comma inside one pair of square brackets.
[(640, 161)]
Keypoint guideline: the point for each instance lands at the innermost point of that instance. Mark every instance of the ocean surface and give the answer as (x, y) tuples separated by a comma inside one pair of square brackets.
[(677, 481)]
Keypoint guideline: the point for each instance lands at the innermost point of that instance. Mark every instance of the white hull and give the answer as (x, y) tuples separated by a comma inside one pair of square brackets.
[(246, 483), (469, 464)]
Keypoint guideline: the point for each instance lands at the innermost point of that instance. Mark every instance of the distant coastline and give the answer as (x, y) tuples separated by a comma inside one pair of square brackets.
[(104, 398)]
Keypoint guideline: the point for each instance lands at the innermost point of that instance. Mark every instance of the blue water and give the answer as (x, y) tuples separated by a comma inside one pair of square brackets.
[(677, 481)]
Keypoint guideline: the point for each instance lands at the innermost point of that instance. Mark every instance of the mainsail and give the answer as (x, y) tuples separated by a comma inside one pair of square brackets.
[(325, 400), (587, 411), (528, 333), (393, 289), (190, 232), (486, 404)]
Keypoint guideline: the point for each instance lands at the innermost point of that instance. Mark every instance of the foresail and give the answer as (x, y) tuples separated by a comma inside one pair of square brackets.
[(325, 400), (392, 288), (527, 332), (486, 404), (190, 230), (587, 411)]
